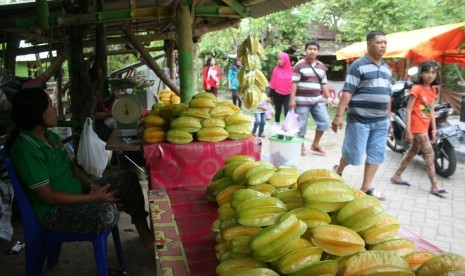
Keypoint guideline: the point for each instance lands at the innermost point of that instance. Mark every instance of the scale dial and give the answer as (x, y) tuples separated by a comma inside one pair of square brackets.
[(126, 110)]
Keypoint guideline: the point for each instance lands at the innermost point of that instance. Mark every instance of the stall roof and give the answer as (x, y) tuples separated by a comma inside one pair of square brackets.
[(150, 20)]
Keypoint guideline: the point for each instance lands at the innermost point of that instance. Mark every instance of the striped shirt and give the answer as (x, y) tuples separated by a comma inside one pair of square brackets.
[(308, 85), (370, 86)]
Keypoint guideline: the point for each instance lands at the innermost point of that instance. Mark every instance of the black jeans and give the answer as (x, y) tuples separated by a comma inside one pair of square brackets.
[(279, 101), (236, 100), (213, 90)]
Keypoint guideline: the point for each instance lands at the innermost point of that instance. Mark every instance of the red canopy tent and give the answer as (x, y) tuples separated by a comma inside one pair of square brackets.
[(440, 43)]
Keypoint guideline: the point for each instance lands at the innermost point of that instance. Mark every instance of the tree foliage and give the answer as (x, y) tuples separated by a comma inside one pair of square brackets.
[(352, 19)]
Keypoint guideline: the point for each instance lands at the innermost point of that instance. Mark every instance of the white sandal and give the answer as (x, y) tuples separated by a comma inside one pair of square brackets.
[(375, 193)]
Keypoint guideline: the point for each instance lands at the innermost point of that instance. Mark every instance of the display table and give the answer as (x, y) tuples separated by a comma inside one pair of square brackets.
[(195, 163), (116, 142), (122, 148), (181, 219)]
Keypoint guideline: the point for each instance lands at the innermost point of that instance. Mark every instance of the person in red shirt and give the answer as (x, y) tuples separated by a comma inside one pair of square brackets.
[(211, 76), (419, 119)]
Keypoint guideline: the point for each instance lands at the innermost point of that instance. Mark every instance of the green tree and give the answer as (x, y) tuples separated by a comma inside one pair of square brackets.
[(354, 18)]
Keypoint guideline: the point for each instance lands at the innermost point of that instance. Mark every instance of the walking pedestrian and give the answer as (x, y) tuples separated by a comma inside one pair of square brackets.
[(309, 85), (280, 85), (233, 82), (211, 76), (419, 119), (367, 97)]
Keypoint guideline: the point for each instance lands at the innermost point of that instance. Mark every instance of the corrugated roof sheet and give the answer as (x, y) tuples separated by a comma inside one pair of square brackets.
[(271, 6)]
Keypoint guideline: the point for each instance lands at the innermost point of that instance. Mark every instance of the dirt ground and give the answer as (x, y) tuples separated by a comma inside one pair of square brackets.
[(78, 258)]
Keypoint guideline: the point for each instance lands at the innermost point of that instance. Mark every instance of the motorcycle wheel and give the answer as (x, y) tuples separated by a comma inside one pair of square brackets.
[(445, 159), (393, 144)]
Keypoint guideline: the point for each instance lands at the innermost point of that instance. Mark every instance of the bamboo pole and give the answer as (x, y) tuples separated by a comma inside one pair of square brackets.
[(145, 55), (185, 50)]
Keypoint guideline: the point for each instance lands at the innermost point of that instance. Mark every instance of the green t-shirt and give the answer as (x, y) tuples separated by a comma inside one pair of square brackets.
[(38, 163)]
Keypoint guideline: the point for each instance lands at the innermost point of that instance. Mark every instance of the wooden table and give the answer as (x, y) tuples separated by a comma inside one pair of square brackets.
[(117, 144)]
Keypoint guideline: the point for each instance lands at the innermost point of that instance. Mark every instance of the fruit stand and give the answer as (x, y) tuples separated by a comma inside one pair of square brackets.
[(182, 219), (187, 221), (217, 209)]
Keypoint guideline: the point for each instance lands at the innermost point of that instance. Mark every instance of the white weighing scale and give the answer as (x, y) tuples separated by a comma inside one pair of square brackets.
[(127, 112)]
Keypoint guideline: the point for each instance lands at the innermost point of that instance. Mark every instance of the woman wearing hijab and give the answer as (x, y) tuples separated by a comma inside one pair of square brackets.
[(233, 82), (280, 84)]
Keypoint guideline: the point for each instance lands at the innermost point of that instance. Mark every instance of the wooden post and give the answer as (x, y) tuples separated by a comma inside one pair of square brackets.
[(171, 58), (42, 14), (12, 45), (185, 50), (59, 89), (441, 80)]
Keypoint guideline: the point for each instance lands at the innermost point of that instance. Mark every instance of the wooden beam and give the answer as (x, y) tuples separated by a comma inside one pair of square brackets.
[(133, 51), (87, 44), (251, 2), (237, 7), (200, 30), (149, 60), (97, 17)]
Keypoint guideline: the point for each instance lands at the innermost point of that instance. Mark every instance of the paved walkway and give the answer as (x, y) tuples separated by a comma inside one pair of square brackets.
[(440, 221)]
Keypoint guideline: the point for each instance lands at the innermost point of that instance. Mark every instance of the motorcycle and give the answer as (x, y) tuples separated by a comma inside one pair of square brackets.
[(448, 135)]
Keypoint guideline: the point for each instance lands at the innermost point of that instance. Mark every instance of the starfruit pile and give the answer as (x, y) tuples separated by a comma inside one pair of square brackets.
[(166, 96), (251, 79), (276, 221), (201, 119)]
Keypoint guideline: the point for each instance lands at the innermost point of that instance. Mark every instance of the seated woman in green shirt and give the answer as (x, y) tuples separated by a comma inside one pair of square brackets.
[(62, 196)]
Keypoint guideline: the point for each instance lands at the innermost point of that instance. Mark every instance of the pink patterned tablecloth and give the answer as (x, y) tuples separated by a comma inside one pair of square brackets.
[(194, 163), (420, 244)]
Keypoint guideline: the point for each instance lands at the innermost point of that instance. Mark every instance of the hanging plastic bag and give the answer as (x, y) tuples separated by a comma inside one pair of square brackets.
[(269, 111), (291, 122), (92, 155)]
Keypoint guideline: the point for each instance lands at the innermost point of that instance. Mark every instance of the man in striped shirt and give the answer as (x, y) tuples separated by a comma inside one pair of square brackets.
[(309, 85), (367, 97)]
